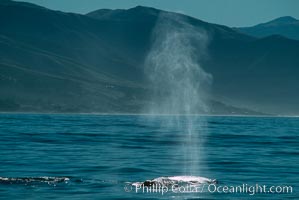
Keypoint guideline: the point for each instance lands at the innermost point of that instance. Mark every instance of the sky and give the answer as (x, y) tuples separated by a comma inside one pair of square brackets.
[(234, 13)]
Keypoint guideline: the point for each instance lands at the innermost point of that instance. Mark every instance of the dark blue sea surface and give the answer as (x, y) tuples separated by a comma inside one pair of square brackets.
[(55, 156)]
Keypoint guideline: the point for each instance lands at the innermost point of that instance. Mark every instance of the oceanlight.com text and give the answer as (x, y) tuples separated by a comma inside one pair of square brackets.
[(210, 188)]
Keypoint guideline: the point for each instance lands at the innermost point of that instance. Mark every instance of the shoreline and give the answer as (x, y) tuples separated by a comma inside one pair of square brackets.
[(148, 114)]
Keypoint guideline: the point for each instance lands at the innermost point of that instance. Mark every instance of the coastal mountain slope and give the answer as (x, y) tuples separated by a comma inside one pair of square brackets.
[(285, 26), (51, 61)]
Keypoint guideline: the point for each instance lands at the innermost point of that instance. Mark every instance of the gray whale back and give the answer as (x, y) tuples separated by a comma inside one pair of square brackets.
[(172, 180)]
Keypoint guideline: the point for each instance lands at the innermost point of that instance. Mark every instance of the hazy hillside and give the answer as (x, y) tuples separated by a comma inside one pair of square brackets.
[(64, 62), (285, 26)]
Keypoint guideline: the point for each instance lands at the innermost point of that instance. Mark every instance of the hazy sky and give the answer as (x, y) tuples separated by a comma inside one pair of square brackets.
[(226, 12)]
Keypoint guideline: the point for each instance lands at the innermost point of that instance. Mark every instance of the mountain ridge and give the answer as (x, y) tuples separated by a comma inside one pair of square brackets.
[(286, 26), (51, 61)]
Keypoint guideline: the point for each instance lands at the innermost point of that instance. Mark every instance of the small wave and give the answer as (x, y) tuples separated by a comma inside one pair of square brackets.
[(33, 180)]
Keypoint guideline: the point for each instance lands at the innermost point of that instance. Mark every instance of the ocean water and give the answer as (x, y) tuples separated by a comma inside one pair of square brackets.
[(47, 156)]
